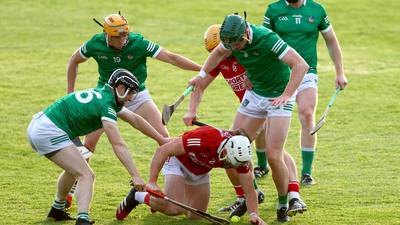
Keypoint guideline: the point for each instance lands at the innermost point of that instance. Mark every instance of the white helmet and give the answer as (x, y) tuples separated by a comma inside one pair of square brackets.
[(238, 150)]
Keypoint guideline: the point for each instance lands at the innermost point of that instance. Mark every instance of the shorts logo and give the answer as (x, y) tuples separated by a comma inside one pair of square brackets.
[(245, 102)]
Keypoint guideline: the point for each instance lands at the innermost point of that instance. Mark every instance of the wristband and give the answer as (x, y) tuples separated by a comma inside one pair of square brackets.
[(202, 73)]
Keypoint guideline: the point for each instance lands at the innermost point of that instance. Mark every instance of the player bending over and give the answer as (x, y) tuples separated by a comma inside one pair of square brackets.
[(51, 131), (186, 162)]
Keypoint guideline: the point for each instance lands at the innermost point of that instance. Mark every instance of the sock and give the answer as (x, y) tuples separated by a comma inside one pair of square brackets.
[(255, 185), (58, 204), (73, 188), (239, 191), (262, 158), (307, 154), (83, 216), (282, 201), (294, 189), (140, 196)]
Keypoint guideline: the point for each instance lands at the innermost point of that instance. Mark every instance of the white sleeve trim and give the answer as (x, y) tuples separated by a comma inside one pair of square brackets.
[(108, 119), (122, 111), (284, 52), (80, 53), (327, 29), (157, 52)]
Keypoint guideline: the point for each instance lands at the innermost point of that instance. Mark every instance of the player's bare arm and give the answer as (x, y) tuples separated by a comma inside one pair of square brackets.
[(177, 60), (335, 53), (246, 180), (142, 125), (195, 99), (121, 151), (299, 67), (172, 148), (72, 70)]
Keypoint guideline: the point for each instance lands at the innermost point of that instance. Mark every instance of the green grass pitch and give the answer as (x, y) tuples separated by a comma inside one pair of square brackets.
[(357, 162)]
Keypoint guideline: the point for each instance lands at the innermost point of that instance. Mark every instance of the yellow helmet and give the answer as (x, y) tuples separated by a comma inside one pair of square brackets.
[(211, 37), (115, 25)]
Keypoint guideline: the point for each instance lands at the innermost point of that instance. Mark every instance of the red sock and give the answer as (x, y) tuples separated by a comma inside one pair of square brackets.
[(294, 186), (239, 191), (147, 199)]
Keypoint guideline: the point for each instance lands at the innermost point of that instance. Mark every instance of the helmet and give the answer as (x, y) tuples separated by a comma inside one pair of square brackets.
[(126, 78), (232, 29), (211, 37), (238, 150), (115, 25)]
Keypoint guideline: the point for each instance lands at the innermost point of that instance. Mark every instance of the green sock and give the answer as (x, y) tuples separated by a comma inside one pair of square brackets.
[(282, 201), (255, 184), (307, 154), (262, 158)]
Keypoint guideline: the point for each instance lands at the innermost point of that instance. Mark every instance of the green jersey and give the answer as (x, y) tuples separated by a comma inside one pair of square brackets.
[(299, 27), (80, 113), (261, 58), (132, 56)]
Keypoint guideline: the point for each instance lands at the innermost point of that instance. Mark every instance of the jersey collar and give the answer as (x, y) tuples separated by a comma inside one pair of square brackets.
[(304, 3)]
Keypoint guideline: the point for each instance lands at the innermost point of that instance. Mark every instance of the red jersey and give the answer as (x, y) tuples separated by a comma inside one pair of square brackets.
[(234, 74), (201, 147)]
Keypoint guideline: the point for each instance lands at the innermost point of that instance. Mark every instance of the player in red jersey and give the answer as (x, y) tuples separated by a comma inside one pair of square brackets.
[(235, 75), (186, 162)]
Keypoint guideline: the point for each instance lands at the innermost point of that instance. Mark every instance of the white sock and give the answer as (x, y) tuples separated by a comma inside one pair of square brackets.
[(139, 196), (294, 194)]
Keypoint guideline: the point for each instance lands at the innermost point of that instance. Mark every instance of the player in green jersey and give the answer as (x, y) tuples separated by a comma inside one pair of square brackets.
[(116, 47), (298, 23), (79, 113), (267, 60)]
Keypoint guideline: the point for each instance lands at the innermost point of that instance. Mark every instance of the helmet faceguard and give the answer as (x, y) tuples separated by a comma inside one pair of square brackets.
[(125, 78), (238, 151), (211, 37), (115, 25), (232, 30)]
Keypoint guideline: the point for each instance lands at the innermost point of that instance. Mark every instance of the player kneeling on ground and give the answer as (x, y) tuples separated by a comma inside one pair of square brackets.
[(186, 162), (51, 131)]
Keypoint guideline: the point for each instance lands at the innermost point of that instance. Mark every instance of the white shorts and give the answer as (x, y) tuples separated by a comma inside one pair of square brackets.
[(140, 98), (310, 80), (45, 137), (257, 106), (173, 167)]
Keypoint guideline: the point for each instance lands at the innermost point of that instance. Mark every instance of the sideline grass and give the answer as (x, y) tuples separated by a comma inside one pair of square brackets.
[(356, 169)]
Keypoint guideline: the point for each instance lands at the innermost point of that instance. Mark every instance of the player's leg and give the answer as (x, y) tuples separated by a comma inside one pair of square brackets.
[(296, 204), (144, 106), (197, 193), (275, 137), (77, 168), (307, 98), (49, 140), (262, 164)]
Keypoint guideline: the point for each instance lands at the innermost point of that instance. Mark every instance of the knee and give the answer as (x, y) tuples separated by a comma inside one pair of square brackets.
[(275, 156), (88, 175), (306, 115)]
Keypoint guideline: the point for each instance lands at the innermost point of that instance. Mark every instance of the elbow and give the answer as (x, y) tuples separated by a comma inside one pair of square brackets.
[(305, 67)]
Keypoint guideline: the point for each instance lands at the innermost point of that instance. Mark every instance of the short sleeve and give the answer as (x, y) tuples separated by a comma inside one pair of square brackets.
[(151, 49), (108, 113), (324, 24), (276, 45), (267, 19)]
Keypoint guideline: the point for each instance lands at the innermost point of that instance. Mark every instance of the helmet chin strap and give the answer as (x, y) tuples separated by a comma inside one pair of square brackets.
[(220, 150), (125, 94)]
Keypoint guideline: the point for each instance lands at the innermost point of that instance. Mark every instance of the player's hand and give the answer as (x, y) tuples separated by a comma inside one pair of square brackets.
[(153, 186), (341, 81), (255, 219), (247, 84), (164, 141), (195, 81), (138, 183), (188, 118), (281, 100)]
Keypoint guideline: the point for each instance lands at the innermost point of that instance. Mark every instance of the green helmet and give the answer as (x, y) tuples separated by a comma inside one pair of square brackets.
[(232, 29)]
